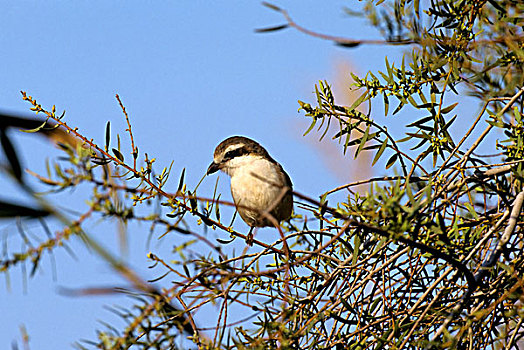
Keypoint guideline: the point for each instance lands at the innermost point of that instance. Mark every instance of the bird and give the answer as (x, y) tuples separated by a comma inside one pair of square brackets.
[(262, 191)]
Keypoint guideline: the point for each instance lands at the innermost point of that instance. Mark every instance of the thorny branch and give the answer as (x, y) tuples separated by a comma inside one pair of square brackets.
[(369, 263)]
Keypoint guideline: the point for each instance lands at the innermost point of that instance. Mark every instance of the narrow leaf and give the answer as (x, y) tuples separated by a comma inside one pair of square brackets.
[(363, 141), (391, 161), (186, 270), (181, 181), (427, 105), (223, 241), (271, 6), (192, 201), (410, 193), (359, 100), (38, 128), (348, 44), (35, 265), (9, 210), (380, 151), (118, 155), (271, 29), (100, 161), (217, 209), (108, 135), (421, 121), (390, 71), (386, 105), (448, 124), (356, 243), (448, 108), (11, 155), (399, 107), (313, 122)]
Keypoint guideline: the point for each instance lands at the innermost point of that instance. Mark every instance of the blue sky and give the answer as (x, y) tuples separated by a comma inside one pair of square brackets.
[(190, 74)]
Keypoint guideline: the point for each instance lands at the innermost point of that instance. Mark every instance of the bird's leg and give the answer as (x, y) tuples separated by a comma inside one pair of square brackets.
[(249, 237)]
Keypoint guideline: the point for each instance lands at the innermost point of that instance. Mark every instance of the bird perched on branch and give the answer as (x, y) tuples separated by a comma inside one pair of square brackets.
[(261, 189)]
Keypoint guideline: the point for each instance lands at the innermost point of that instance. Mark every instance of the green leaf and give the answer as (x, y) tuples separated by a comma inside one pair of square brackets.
[(186, 270), (313, 122), (100, 161), (359, 100), (498, 124), (347, 141), (422, 142), (217, 209), (410, 193), (448, 124), (471, 210), (391, 161), (319, 98), (36, 260), (38, 128), (399, 107), (428, 105), (380, 151), (421, 135), (363, 141), (348, 44), (386, 104), (421, 121), (412, 101), (11, 155), (407, 138), (192, 201), (108, 135), (181, 181), (223, 241), (347, 305), (10, 210), (516, 113), (389, 69), (448, 108), (326, 129), (342, 132), (118, 155), (271, 29), (62, 115), (422, 97), (271, 6)]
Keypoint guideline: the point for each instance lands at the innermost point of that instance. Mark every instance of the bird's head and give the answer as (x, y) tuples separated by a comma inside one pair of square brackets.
[(234, 152)]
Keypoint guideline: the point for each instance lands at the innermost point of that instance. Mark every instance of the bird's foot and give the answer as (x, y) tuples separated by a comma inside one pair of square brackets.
[(249, 238)]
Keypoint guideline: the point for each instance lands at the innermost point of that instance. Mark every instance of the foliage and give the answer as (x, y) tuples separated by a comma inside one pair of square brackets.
[(429, 258)]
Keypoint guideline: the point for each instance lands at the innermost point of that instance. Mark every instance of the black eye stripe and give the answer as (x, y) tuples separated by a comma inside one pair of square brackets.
[(237, 152)]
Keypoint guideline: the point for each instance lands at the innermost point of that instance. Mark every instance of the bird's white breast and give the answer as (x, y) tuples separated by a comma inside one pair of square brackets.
[(253, 180)]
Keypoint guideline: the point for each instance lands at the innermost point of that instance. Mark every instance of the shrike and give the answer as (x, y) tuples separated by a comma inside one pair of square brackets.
[(261, 189)]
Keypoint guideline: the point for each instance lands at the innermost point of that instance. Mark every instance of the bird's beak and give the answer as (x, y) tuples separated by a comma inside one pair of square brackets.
[(213, 168)]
